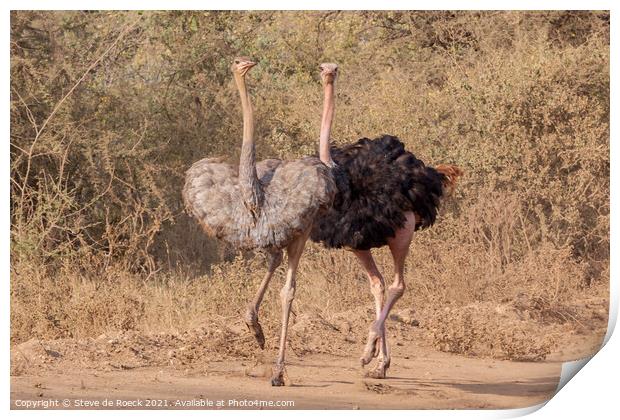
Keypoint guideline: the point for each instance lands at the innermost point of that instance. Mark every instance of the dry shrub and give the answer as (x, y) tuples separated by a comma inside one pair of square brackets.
[(485, 330), (69, 305), (66, 303), (99, 239)]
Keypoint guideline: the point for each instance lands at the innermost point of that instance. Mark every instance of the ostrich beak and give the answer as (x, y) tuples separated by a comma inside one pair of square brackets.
[(247, 65)]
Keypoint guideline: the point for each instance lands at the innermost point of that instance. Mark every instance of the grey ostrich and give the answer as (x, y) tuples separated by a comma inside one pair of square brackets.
[(269, 206)]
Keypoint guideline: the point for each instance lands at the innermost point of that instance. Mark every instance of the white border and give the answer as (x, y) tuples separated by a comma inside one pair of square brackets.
[(596, 383)]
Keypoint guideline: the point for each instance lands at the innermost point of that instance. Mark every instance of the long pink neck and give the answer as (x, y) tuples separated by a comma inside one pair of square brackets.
[(249, 185), (326, 124)]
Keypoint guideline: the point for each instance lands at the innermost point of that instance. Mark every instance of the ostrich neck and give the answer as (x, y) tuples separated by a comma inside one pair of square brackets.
[(326, 124), (249, 185)]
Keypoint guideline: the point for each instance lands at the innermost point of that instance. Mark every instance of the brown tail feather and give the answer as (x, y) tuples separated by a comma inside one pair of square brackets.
[(452, 174)]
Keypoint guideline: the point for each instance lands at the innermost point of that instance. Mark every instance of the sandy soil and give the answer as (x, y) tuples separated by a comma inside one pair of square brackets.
[(419, 379), (221, 361)]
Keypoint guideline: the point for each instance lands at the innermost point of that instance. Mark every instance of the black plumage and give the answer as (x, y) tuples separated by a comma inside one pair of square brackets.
[(378, 181)]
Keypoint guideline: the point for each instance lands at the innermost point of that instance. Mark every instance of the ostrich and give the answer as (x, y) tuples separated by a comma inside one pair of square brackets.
[(269, 206), (384, 195)]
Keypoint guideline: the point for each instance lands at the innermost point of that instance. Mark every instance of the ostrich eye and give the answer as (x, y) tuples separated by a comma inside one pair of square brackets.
[(236, 61), (321, 68)]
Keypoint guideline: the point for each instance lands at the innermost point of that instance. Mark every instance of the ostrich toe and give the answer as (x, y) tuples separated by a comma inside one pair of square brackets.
[(251, 320), (380, 369), (372, 345), (278, 376)]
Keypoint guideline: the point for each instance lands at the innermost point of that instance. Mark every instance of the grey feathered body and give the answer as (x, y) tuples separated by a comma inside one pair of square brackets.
[(294, 194)]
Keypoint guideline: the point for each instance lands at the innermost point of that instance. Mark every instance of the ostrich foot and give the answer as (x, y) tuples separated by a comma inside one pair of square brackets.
[(380, 370), (372, 345), (278, 375), (251, 320)]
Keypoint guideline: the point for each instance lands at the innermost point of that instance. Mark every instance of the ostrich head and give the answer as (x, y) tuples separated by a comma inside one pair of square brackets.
[(329, 72), (241, 65)]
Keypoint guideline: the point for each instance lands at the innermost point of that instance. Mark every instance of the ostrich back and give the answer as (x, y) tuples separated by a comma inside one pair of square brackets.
[(295, 192), (378, 181)]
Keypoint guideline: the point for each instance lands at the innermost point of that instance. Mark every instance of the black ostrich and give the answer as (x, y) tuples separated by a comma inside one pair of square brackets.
[(384, 195)]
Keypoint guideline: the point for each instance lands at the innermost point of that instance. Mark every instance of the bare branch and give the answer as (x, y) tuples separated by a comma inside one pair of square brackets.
[(64, 98)]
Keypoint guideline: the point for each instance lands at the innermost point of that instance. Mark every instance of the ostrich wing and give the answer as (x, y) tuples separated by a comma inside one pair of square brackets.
[(296, 194), (211, 195), (379, 181)]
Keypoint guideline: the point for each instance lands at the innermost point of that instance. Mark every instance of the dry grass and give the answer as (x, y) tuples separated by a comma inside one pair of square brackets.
[(99, 241)]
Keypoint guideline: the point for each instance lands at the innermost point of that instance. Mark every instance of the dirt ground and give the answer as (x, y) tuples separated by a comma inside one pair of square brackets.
[(419, 379), (217, 365), (220, 362)]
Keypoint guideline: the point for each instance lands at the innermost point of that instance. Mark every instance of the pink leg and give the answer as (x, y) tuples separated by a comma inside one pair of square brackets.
[(251, 315), (377, 285), (399, 247), (377, 288)]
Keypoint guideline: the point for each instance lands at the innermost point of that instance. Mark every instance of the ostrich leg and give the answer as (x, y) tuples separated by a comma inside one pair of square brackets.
[(287, 294), (399, 247), (251, 315), (377, 288)]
